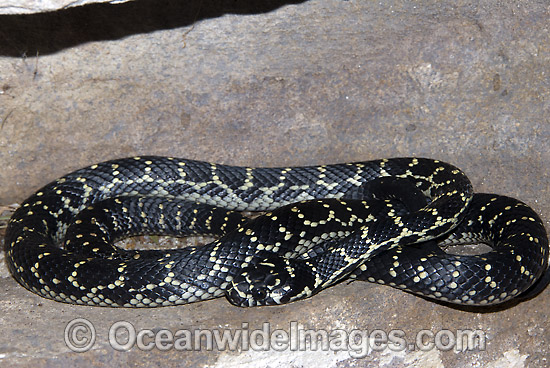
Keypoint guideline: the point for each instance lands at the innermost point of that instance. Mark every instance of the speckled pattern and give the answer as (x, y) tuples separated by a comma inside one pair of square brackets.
[(287, 84), (91, 271)]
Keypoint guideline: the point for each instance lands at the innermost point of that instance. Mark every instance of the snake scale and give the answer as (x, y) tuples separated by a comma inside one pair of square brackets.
[(381, 221)]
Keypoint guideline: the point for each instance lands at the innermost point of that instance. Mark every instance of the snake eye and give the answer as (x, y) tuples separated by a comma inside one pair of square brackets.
[(259, 294)]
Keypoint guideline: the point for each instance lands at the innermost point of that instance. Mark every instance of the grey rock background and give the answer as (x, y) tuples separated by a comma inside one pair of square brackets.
[(279, 83), (36, 6)]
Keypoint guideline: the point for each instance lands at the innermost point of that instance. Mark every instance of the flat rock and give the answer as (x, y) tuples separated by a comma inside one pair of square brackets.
[(36, 6)]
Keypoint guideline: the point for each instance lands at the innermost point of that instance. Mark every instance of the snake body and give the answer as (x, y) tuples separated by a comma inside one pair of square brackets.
[(323, 224)]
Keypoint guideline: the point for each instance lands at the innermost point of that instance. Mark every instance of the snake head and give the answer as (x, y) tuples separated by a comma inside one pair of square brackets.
[(271, 281)]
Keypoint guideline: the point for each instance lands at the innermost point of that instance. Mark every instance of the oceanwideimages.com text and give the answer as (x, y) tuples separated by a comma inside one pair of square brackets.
[(80, 335)]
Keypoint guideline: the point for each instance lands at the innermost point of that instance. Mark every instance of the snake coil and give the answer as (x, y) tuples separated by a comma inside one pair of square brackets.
[(371, 220)]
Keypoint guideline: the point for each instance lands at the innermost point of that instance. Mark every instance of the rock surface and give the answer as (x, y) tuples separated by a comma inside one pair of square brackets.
[(280, 83), (36, 6)]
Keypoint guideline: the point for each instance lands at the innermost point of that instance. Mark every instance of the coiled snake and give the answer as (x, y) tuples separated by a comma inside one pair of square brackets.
[(374, 220)]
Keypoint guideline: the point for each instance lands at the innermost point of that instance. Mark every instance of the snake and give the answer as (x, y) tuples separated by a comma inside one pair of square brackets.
[(383, 221)]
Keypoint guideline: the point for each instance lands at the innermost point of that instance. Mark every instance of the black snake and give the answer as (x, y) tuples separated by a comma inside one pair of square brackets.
[(374, 220)]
